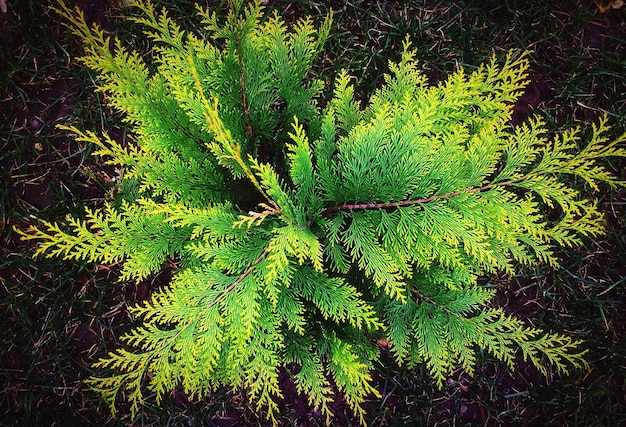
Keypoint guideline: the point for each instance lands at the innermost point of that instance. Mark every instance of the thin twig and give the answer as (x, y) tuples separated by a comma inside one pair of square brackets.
[(358, 206), (234, 149), (244, 99), (240, 278)]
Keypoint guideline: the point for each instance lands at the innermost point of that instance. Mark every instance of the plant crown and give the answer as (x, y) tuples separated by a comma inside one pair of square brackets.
[(302, 235)]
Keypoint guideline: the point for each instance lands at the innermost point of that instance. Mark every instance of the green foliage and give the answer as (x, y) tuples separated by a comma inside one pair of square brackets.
[(303, 235)]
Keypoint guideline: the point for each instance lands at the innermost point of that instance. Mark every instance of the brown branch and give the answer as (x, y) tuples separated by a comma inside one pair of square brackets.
[(423, 297), (359, 206), (240, 278), (234, 149), (244, 99)]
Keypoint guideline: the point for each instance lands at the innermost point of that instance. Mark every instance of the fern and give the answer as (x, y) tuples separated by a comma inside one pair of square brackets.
[(301, 234)]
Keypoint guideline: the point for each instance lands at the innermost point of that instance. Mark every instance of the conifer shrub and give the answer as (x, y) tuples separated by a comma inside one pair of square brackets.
[(303, 234)]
